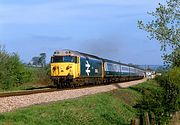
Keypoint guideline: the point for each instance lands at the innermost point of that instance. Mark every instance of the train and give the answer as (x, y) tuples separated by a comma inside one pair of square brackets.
[(71, 68)]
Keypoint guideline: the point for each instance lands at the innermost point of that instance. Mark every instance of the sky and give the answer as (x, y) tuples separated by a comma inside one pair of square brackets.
[(105, 28)]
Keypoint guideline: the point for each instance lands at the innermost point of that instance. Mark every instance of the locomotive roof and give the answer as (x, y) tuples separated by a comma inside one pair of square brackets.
[(73, 53), (77, 53)]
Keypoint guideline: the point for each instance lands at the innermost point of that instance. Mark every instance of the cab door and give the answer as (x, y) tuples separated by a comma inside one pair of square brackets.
[(77, 66)]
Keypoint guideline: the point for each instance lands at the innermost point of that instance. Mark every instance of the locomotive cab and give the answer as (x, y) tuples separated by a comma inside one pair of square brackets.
[(64, 67)]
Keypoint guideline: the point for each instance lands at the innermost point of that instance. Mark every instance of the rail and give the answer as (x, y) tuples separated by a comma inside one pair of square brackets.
[(26, 92)]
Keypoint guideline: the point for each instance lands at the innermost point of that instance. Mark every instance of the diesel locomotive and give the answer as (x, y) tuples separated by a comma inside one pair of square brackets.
[(72, 68)]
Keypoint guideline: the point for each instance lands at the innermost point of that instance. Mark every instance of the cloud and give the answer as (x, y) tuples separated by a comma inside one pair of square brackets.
[(67, 10), (45, 38), (120, 2), (103, 47)]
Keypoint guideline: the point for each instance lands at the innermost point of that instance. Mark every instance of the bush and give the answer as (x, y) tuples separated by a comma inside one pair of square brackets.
[(170, 82), (12, 70), (42, 75), (165, 101)]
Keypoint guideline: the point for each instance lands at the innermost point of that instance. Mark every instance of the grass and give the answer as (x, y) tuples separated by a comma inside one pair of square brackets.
[(111, 108), (148, 85)]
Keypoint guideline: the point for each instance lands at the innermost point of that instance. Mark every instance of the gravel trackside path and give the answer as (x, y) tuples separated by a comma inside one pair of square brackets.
[(11, 103)]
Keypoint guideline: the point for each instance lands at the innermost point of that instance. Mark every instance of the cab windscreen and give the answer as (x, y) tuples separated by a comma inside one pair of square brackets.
[(57, 59)]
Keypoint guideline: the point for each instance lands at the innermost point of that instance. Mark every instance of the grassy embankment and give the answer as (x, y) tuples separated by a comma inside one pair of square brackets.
[(115, 107)]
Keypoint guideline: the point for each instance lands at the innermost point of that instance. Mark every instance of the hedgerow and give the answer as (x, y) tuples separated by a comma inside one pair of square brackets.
[(164, 101), (12, 70)]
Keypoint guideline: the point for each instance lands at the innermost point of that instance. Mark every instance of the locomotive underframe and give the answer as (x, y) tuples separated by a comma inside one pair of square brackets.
[(69, 81)]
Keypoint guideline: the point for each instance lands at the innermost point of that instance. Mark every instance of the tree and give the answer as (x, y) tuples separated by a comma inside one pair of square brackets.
[(39, 60), (42, 59), (35, 61), (166, 29), (161, 69)]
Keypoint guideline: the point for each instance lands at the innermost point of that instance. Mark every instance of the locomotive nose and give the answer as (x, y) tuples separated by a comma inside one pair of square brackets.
[(55, 70), (61, 70)]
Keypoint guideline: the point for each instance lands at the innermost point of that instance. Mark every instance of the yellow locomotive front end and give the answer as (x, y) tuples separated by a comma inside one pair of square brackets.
[(64, 68)]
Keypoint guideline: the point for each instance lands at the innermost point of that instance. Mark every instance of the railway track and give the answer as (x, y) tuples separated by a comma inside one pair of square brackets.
[(14, 100), (26, 92), (29, 92), (36, 91), (44, 90)]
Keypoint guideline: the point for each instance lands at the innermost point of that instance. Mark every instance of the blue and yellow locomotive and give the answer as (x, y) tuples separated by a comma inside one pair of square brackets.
[(73, 68)]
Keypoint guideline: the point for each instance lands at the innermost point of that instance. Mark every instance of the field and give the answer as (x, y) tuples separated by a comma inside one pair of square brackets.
[(115, 107)]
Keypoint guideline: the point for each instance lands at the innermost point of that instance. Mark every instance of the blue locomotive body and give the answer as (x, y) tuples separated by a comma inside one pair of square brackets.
[(90, 67)]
